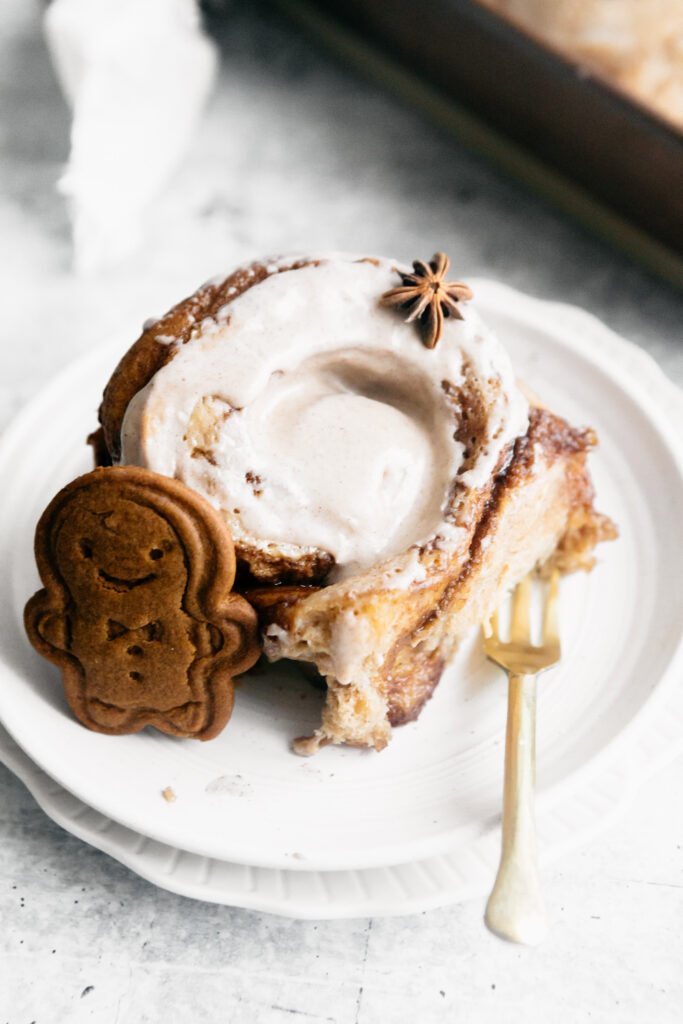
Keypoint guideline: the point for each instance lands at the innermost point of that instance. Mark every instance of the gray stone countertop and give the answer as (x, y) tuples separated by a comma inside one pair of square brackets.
[(297, 152)]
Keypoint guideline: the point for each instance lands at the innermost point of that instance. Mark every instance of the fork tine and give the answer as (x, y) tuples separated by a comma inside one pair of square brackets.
[(493, 625), (551, 625), (519, 626)]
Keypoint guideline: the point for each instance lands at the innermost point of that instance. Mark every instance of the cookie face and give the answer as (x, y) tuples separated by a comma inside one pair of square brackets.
[(126, 574), (137, 609)]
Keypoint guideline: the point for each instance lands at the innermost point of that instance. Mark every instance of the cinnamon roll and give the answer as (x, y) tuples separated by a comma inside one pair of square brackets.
[(381, 493), (637, 46)]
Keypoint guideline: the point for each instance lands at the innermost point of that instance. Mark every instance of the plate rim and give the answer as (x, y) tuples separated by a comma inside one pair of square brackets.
[(265, 890)]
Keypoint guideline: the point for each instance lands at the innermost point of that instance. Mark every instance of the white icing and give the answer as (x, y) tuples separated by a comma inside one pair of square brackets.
[(410, 572), (351, 638), (328, 425)]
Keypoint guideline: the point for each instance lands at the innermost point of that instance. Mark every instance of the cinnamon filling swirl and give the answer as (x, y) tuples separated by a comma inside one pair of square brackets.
[(315, 420)]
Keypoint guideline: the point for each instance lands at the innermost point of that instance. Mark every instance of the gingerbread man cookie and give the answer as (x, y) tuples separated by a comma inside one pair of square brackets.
[(137, 609)]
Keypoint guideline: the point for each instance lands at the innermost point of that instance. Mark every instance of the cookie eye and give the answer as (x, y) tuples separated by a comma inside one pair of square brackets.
[(86, 548), (156, 554)]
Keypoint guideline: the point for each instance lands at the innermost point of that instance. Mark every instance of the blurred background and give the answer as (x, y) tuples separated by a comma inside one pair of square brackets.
[(201, 139)]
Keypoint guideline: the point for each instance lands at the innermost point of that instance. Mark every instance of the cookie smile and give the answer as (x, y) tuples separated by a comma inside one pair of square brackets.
[(124, 585)]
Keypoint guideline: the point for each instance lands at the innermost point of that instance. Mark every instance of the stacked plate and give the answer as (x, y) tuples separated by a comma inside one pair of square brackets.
[(243, 821)]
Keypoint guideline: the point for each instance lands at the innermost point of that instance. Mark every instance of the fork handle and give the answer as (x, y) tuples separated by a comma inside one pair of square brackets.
[(515, 910)]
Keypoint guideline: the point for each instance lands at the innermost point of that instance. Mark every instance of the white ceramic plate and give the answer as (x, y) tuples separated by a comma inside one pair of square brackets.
[(244, 797), (465, 872)]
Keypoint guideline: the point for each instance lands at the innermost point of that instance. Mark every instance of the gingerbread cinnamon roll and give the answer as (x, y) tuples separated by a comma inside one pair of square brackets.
[(383, 476)]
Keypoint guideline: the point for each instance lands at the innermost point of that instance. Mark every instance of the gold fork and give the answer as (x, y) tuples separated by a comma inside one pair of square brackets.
[(515, 909)]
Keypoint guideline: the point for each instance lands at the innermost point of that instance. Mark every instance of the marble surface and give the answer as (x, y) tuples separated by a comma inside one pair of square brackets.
[(298, 152)]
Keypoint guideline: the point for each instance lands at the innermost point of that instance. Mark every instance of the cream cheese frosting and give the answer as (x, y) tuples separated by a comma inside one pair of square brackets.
[(314, 417)]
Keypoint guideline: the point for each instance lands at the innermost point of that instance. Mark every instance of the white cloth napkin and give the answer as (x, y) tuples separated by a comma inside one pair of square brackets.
[(136, 74)]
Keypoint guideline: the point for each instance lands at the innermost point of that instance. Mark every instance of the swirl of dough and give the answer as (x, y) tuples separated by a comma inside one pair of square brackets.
[(331, 439)]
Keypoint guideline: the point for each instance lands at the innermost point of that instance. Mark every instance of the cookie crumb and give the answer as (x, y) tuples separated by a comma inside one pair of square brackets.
[(168, 795)]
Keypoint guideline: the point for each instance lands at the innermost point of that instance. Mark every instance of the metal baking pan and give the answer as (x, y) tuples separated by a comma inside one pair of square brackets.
[(567, 132)]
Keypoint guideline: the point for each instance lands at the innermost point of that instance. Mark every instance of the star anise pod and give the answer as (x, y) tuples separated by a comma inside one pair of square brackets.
[(428, 297)]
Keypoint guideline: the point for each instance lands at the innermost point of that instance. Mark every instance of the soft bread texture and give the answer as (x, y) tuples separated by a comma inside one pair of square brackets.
[(538, 513)]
